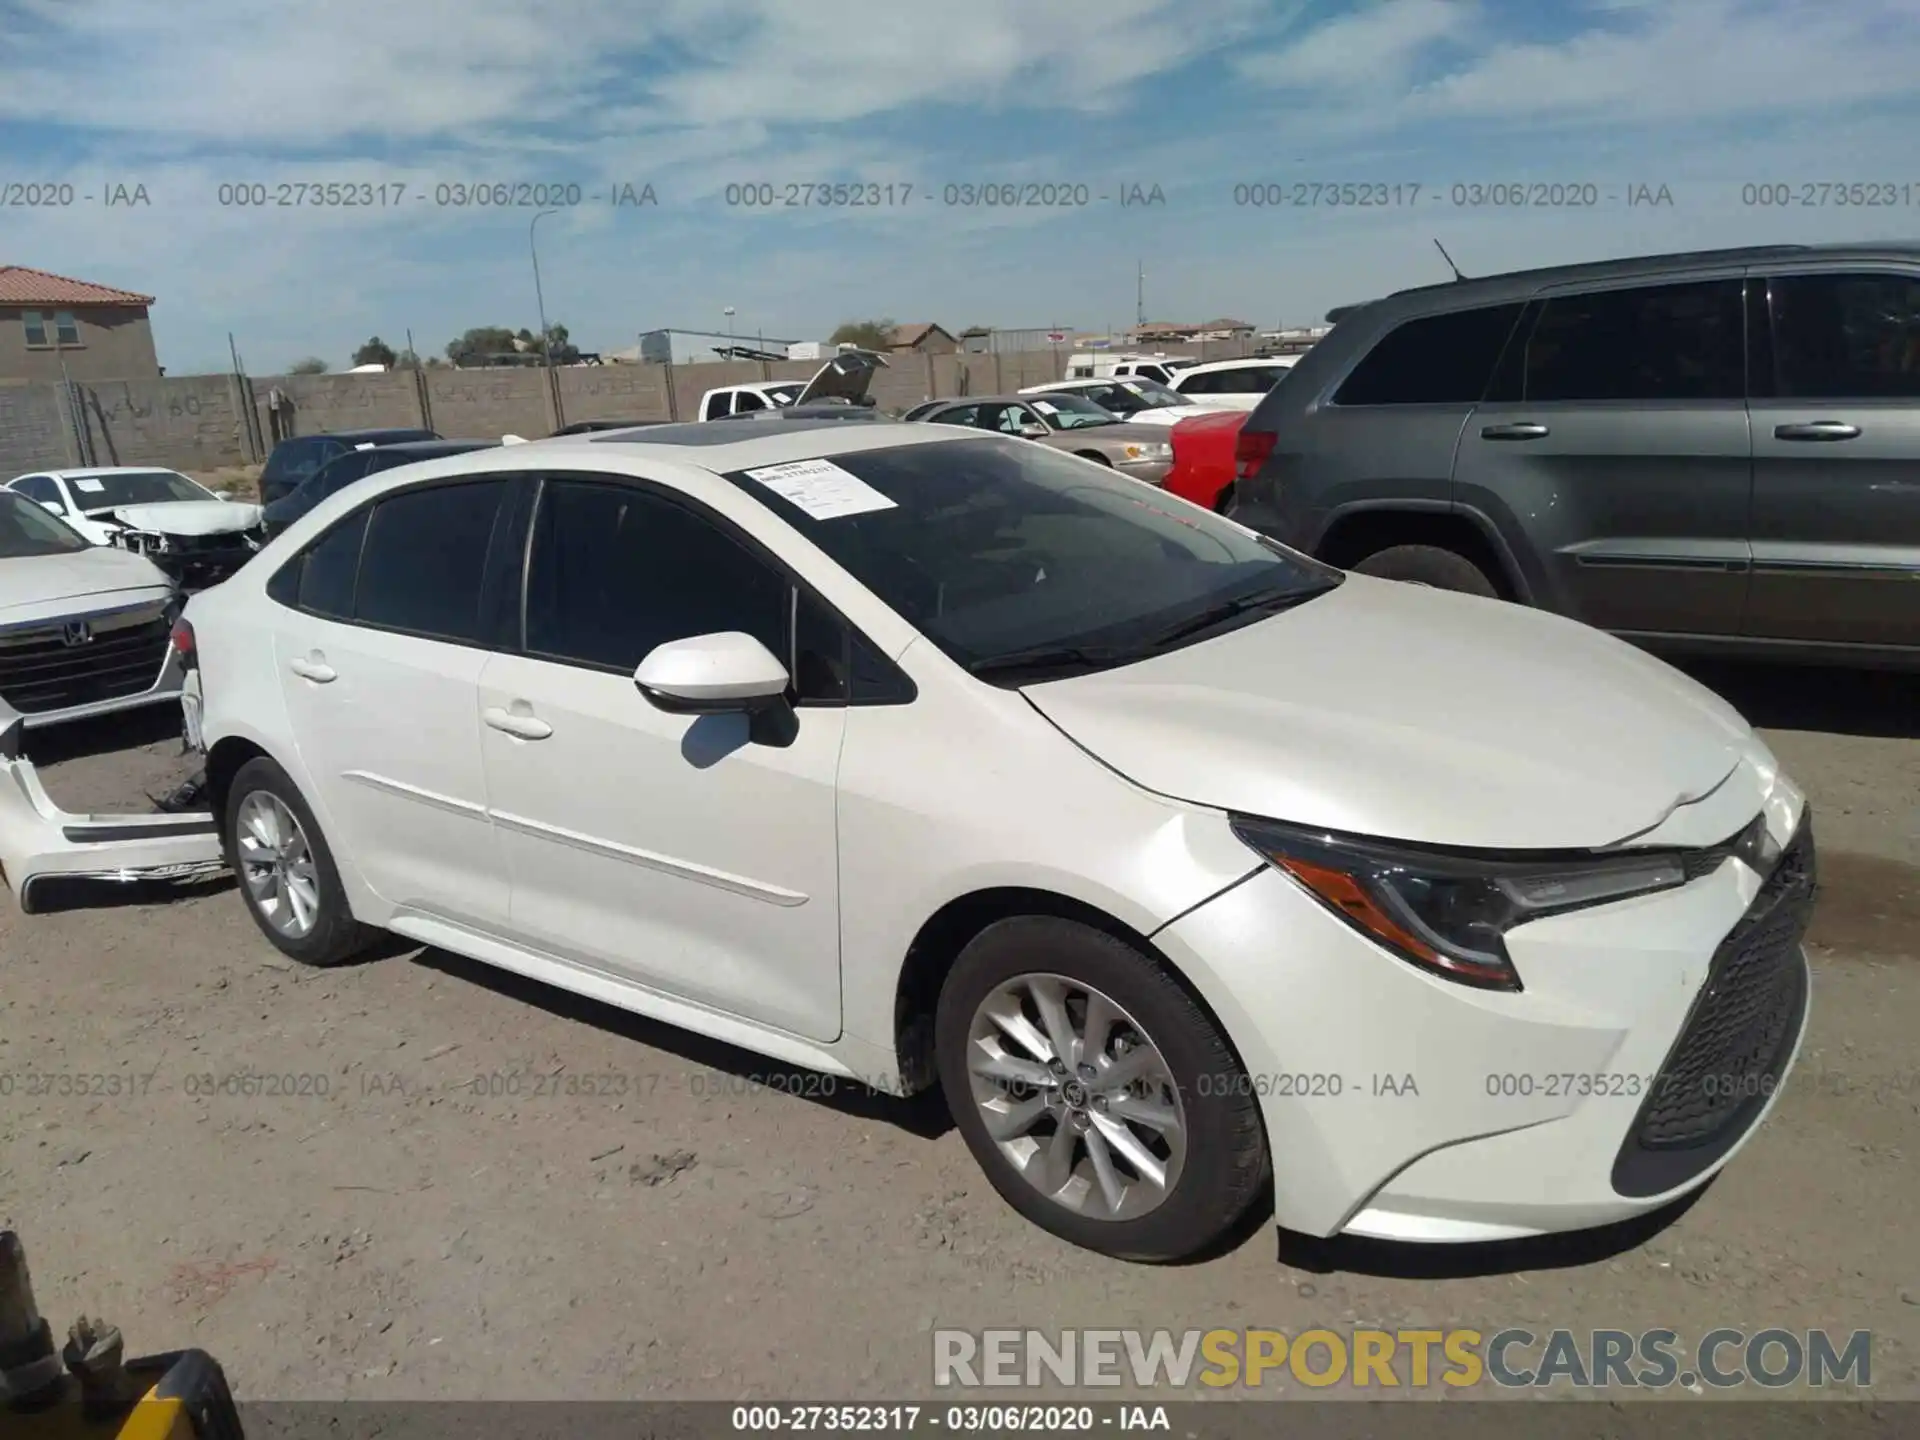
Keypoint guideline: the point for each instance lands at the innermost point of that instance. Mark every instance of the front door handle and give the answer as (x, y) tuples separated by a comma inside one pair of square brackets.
[(1817, 430), (1518, 430), (314, 669), (514, 723)]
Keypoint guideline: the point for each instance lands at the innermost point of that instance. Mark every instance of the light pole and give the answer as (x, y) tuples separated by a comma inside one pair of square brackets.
[(728, 312), (540, 301)]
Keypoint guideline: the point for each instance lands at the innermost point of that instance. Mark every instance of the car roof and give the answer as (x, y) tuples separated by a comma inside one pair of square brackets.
[(1243, 362), (89, 471), (432, 447), (414, 432), (1519, 284)]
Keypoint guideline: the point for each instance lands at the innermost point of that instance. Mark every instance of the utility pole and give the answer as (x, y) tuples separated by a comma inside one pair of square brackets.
[(546, 339), (1140, 294)]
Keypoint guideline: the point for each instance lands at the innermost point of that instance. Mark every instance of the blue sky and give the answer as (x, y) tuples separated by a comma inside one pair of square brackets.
[(1196, 97)]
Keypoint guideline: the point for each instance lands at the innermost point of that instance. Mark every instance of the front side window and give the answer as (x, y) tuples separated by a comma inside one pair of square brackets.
[(1015, 559), (27, 531), (41, 488), (1846, 336), (1435, 360), (1654, 342), (745, 401), (615, 571), (425, 557), (139, 487)]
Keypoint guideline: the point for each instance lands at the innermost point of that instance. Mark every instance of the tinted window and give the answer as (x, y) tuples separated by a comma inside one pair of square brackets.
[(820, 658), (1250, 379), (746, 401), (616, 571), (426, 553), (293, 460), (38, 487), (992, 547), (327, 573), (1660, 342), (1841, 337), (718, 405), (1438, 360), (959, 415), (335, 476), (27, 530)]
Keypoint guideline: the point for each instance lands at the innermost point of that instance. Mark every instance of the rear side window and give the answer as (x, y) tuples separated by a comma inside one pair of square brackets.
[(1846, 337), (1655, 342), (327, 571), (718, 405), (425, 558), (1436, 360)]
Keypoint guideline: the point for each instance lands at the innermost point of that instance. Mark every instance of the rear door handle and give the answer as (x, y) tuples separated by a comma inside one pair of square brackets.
[(318, 671), (1817, 430), (1518, 430), (511, 722)]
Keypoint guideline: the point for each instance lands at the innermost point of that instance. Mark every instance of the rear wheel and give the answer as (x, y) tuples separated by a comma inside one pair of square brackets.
[(1095, 456), (287, 875), (1430, 565), (1097, 1096)]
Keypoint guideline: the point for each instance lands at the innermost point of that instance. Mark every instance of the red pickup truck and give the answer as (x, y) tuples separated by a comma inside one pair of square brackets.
[(1202, 469)]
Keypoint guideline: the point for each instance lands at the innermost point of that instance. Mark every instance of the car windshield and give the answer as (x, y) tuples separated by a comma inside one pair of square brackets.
[(1150, 393), (133, 487), (1022, 563), (27, 530), (1067, 411)]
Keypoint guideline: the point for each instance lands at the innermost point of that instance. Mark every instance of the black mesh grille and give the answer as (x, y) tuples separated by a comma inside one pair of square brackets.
[(1742, 1027), (44, 674)]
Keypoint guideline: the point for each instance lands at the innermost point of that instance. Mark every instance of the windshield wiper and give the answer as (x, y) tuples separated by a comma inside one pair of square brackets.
[(1052, 657), (1227, 610)]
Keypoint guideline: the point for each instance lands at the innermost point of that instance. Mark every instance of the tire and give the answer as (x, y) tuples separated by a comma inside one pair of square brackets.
[(1429, 565), (1220, 1164), (1095, 456), (333, 936)]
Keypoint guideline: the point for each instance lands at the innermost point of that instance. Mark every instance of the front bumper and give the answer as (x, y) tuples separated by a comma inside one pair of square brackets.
[(1653, 1036), (1150, 471), (40, 842), (195, 562)]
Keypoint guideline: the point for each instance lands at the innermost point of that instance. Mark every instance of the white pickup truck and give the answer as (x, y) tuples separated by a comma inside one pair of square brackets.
[(844, 378)]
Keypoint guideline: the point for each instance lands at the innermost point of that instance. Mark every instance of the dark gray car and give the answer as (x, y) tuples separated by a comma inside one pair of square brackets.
[(1709, 451)]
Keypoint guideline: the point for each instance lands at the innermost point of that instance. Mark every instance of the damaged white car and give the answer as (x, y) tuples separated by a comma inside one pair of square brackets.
[(199, 538)]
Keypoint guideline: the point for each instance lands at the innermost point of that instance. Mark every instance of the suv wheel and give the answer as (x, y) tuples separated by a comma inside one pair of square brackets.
[(286, 872), (1429, 565), (1096, 1095)]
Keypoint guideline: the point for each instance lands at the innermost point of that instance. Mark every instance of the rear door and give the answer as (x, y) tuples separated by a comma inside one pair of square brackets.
[(1615, 434), (380, 649), (1836, 434)]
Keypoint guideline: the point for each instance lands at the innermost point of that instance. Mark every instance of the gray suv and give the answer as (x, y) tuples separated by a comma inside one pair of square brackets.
[(1710, 451)]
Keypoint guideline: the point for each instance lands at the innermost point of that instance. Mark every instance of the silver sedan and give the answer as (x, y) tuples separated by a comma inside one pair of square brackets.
[(1066, 422)]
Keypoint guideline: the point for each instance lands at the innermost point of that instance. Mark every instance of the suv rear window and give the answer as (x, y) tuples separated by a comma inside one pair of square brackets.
[(1437, 360)]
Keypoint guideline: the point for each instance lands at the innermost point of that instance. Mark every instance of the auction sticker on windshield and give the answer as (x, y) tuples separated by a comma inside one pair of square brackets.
[(91, 487), (821, 489)]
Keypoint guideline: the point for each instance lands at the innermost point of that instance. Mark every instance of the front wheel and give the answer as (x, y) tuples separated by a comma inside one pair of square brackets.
[(1098, 1097), (1429, 565), (1095, 456)]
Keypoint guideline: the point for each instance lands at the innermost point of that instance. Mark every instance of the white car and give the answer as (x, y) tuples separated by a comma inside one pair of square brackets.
[(195, 535), (921, 756), (1105, 365), (1137, 401), (83, 628), (1232, 384)]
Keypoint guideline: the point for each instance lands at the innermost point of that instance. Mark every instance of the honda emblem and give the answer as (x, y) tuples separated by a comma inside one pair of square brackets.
[(78, 632)]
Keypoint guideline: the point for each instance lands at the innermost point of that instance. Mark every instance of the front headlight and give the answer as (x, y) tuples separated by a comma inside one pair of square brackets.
[(1449, 911), (1149, 452)]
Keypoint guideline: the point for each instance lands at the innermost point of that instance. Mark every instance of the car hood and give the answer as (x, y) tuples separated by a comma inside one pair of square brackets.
[(1109, 437), (1413, 714), (1170, 414), (38, 587), (184, 517)]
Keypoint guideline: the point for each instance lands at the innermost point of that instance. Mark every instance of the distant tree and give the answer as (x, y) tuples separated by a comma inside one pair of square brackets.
[(564, 351), (405, 360), (375, 352), (478, 344), (868, 334), (312, 365)]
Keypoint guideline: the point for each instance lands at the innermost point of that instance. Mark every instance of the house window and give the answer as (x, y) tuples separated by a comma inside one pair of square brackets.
[(36, 327), (65, 328)]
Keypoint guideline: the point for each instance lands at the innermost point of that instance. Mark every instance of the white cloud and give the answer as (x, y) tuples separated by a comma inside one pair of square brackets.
[(1373, 48)]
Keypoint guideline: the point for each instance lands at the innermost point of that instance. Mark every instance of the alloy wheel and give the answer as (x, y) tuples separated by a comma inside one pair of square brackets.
[(1077, 1097), (276, 864)]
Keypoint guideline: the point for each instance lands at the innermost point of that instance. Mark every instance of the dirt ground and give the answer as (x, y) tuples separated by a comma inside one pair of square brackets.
[(694, 1230)]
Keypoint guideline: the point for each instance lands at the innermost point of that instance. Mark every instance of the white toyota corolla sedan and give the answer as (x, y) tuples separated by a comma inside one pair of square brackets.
[(921, 756)]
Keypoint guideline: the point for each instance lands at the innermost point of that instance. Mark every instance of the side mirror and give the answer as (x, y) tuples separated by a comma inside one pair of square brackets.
[(726, 673), (1033, 430), (54, 506)]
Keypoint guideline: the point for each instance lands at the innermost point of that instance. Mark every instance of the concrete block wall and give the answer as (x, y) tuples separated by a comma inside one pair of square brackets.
[(197, 422)]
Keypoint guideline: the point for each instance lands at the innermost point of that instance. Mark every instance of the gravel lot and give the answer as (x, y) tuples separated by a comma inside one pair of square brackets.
[(695, 1230)]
